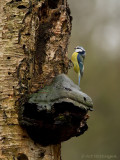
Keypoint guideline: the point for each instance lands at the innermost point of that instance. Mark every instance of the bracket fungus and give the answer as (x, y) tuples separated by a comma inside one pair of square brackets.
[(56, 113)]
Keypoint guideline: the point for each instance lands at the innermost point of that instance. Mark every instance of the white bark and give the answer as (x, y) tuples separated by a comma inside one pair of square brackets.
[(30, 56)]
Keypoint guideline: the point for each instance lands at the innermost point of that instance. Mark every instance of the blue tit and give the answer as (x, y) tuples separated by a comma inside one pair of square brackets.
[(78, 61)]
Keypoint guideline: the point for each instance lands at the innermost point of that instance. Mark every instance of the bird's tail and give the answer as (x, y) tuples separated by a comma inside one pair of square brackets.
[(79, 77)]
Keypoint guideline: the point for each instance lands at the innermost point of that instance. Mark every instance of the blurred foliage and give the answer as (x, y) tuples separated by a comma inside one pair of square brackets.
[(96, 27)]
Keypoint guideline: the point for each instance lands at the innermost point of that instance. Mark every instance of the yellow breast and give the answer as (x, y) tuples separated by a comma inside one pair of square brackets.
[(75, 62)]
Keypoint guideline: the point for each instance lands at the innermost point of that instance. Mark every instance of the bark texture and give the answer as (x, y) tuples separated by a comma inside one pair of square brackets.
[(33, 49)]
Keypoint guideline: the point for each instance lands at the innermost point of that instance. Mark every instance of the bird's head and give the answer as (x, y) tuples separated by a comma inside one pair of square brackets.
[(81, 51)]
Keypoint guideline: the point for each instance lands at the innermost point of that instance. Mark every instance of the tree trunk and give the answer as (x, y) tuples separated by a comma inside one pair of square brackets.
[(33, 50)]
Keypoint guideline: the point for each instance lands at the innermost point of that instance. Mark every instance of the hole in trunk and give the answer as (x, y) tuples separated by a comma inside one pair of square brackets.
[(22, 156), (21, 7)]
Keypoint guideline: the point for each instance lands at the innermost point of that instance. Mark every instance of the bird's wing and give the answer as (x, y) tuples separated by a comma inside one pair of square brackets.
[(80, 62)]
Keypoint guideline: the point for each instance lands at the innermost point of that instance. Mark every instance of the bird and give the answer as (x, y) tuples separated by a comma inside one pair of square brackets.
[(78, 61)]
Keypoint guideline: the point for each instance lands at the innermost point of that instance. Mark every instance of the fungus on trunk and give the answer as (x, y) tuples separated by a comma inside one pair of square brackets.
[(56, 113)]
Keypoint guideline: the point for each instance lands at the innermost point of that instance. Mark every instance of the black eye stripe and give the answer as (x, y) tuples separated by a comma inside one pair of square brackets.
[(80, 48)]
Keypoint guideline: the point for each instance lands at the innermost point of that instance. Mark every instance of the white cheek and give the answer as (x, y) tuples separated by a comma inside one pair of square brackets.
[(78, 50)]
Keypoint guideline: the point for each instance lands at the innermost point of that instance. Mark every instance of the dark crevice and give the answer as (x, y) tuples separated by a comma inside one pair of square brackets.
[(23, 46), (42, 38), (21, 7), (62, 2), (9, 73), (68, 89), (22, 156), (42, 154), (53, 3), (8, 57), (84, 99), (65, 106), (27, 34)]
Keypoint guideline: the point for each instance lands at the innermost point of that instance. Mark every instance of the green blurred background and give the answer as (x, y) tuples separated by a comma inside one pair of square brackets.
[(96, 27)]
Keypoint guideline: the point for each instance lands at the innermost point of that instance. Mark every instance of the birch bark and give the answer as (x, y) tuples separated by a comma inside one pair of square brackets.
[(33, 49)]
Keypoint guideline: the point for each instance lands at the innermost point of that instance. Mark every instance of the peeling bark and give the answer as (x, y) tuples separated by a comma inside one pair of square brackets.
[(33, 49)]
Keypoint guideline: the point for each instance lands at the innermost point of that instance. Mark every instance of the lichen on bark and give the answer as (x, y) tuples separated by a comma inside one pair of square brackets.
[(33, 49)]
